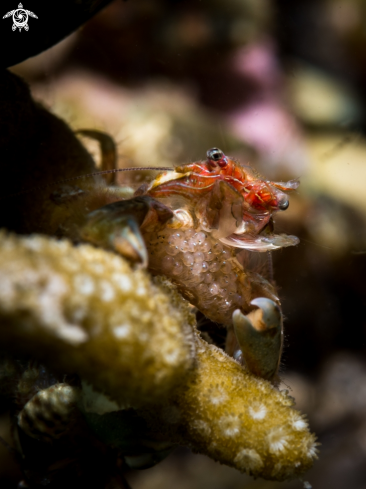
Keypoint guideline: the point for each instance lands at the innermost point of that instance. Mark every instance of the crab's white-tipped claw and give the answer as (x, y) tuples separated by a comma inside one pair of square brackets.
[(260, 337), (117, 226), (129, 243), (113, 227), (271, 313)]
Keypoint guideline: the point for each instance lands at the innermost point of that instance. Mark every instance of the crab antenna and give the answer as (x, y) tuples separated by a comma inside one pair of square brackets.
[(85, 175)]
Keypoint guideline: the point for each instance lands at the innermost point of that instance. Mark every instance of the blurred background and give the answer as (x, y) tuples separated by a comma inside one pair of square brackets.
[(281, 85)]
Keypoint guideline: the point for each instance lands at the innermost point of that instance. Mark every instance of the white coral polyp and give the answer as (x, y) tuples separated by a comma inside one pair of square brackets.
[(299, 424), (277, 440), (258, 412), (248, 460), (230, 425)]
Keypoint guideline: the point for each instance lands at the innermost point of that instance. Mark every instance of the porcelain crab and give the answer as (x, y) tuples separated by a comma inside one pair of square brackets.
[(199, 225)]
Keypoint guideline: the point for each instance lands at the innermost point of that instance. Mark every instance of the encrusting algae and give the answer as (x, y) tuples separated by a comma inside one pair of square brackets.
[(86, 311)]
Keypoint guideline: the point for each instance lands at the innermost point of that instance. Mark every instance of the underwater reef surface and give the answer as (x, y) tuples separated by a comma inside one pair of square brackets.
[(87, 311)]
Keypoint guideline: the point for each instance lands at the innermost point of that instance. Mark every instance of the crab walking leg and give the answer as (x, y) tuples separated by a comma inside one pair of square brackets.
[(108, 151), (260, 337)]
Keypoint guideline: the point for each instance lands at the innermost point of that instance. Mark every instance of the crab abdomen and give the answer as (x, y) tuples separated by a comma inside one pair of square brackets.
[(206, 272)]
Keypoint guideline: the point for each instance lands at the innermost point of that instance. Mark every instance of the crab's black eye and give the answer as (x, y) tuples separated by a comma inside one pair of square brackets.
[(283, 204), (215, 154)]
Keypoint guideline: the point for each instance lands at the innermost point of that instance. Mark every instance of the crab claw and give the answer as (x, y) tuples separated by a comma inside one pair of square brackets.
[(129, 243), (121, 235), (260, 337), (117, 226)]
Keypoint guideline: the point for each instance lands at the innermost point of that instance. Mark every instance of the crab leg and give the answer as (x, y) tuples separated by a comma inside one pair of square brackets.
[(260, 337), (108, 151)]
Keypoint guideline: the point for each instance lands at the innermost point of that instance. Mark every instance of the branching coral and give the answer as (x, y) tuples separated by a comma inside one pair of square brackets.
[(83, 310), (239, 420), (87, 311)]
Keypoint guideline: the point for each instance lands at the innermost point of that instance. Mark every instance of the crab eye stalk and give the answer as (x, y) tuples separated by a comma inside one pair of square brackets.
[(216, 157)]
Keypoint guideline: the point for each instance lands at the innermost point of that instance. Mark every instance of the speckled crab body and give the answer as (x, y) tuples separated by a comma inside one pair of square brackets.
[(198, 226), (222, 212), (207, 272)]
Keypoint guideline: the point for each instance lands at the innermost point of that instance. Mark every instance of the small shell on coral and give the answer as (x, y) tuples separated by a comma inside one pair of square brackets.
[(49, 413)]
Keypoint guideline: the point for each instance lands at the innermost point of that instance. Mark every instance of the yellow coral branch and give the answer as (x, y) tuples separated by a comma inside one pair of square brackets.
[(84, 310), (238, 419)]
